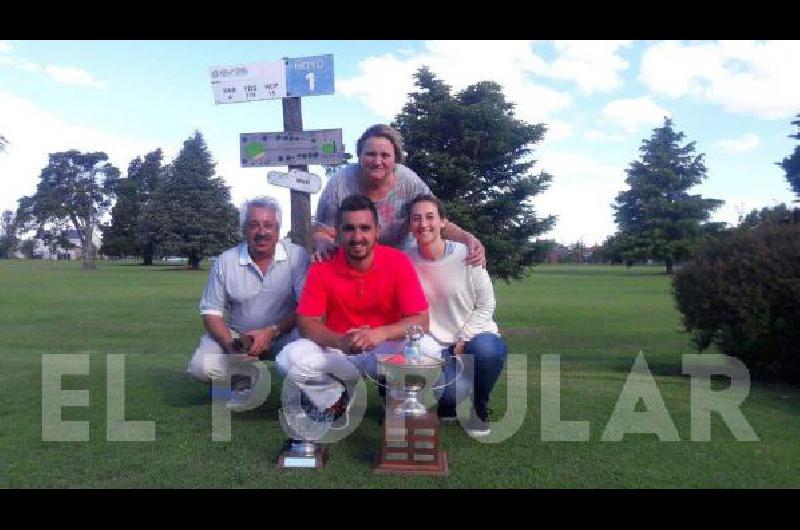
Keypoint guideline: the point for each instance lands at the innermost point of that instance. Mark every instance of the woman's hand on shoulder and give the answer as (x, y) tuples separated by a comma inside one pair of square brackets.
[(324, 242), (476, 253), (324, 249)]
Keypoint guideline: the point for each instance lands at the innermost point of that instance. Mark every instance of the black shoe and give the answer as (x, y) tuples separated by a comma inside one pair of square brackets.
[(308, 407), (241, 384), (338, 414), (447, 414)]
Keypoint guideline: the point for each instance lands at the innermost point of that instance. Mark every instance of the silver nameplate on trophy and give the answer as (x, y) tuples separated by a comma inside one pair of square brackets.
[(298, 461)]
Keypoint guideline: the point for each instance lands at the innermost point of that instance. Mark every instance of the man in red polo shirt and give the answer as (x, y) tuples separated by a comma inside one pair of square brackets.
[(352, 308)]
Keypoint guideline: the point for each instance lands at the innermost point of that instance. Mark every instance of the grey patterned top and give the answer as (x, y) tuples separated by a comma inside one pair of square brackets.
[(344, 183)]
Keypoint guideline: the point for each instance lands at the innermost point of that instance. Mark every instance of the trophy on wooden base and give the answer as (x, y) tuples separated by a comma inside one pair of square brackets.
[(410, 442)]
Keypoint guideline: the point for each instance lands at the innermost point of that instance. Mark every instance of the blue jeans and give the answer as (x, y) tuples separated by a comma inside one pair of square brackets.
[(488, 354)]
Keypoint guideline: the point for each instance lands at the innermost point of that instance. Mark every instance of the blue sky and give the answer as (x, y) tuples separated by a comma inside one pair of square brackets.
[(599, 100)]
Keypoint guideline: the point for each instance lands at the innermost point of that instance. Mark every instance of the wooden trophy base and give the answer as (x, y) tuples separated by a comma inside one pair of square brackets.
[(293, 460), (436, 469), (410, 446)]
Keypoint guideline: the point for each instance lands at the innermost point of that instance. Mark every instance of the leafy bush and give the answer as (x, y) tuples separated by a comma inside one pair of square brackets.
[(742, 293)]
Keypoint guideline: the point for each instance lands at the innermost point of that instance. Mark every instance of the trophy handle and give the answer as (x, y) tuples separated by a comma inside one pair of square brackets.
[(461, 363), (438, 387), (366, 373)]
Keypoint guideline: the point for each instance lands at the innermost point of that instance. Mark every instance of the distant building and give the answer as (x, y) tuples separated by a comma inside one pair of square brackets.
[(589, 254), (558, 254), (47, 245)]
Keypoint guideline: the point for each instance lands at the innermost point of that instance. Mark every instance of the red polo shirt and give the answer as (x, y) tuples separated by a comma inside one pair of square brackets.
[(347, 298)]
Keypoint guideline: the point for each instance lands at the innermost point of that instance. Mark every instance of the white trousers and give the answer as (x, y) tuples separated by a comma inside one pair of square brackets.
[(210, 362), (320, 371)]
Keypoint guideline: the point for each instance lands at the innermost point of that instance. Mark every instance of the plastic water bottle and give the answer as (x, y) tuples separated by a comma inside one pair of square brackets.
[(412, 351)]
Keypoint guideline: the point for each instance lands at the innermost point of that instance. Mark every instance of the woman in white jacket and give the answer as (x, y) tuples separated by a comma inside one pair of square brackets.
[(461, 300)]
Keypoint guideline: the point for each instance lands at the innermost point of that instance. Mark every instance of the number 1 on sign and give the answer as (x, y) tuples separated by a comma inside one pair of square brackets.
[(310, 77)]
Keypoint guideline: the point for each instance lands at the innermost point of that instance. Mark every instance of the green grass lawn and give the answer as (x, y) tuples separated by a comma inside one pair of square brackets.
[(596, 318)]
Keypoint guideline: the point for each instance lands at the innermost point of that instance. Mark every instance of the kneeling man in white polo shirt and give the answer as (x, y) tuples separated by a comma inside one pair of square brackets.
[(258, 283)]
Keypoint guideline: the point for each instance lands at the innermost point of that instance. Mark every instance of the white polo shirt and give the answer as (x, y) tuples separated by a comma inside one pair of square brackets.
[(252, 299)]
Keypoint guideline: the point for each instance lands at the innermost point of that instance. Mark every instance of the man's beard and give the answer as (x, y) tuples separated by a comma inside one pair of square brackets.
[(367, 248)]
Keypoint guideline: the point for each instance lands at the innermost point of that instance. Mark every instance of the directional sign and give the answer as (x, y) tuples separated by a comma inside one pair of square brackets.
[(310, 76), (248, 82), (296, 180), (322, 147)]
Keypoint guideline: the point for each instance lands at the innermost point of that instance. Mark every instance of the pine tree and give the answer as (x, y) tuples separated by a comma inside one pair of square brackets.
[(791, 164), (124, 235), (190, 214), (8, 234), (657, 217), (472, 152)]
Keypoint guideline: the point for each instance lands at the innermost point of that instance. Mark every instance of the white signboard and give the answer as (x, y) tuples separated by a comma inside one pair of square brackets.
[(295, 180), (248, 82)]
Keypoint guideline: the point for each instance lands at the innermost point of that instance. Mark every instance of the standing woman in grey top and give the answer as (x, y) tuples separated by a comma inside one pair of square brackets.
[(391, 186)]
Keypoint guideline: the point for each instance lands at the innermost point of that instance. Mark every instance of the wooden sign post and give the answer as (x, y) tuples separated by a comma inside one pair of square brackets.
[(300, 234)]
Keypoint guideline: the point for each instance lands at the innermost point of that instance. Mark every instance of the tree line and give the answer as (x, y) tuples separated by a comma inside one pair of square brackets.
[(468, 146), (181, 208)]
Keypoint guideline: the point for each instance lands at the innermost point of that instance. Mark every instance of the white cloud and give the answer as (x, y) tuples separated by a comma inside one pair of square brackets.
[(593, 135), (743, 144), (595, 66), (20, 64), (632, 114), (580, 194), (746, 77), (34, 132), (384, 81), (29, 66), (69, 75), (558, 130)]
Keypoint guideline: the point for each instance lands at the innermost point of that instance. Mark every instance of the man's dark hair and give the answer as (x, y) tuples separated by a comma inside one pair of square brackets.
[(356, 203)]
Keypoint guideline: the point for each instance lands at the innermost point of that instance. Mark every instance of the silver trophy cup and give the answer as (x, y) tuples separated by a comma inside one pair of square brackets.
[(408, 379), (302, 450)]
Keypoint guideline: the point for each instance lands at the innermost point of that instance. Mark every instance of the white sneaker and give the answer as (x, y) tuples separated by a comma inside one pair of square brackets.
[(478, 426)]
